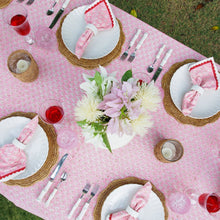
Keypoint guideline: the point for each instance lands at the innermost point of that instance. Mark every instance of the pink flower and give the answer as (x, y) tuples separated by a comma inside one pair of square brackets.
[(120, 104)]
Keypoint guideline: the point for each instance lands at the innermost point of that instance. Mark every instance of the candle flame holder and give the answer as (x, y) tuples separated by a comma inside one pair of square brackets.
[(168, 143), (31, 73)]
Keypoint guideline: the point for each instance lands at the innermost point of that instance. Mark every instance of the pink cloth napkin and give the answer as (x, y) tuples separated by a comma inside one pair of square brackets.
[(204, 75), (12, 156), (98, 17), (139, 200)]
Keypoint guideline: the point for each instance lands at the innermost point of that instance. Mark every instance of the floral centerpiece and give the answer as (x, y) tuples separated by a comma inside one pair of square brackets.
[(117, 107)]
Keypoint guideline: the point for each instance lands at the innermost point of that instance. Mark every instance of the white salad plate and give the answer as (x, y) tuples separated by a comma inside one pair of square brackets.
[(36, 149), (121, 197), (208, 103), (100, 45)]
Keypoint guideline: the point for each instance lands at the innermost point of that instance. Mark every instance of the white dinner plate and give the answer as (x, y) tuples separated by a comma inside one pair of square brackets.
[(121, 197), (37, 148), (208, 104), (100, 45)]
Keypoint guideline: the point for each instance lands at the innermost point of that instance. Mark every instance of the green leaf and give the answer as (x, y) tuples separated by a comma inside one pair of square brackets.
[(98, 79), (106, 142), (126, 76), (82, 123), (97, 126), (91, 79)]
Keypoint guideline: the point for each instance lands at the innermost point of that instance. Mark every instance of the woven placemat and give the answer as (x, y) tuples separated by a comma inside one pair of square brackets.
[(52, 156), (170, 107), (4, 3), (120, 182), (89, 63)]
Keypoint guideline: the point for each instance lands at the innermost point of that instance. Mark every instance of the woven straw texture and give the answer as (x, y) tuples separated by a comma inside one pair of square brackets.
[(52, 153), (158, 153), (90, 63), (120, 182), (31, 73), (4, 3), (170, 106)]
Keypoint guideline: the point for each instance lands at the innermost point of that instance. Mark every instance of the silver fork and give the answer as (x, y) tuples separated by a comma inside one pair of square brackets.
[(30, 2)]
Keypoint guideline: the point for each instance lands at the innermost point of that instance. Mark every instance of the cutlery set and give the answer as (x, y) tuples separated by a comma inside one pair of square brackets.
[(86, 205), (29, 2), (52, 177), (132, 42)]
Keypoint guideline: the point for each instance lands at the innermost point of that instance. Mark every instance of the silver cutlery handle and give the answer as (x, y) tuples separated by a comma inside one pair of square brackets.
[(82, 213), (65, 4), (141, 41), (44, 191), (74, 208), (135, 37), (51, 197), (160, 52), (166, 57)]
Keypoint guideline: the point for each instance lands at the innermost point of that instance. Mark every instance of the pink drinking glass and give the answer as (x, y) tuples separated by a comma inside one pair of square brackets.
[(210, 202), (179, 202), (16, 17)]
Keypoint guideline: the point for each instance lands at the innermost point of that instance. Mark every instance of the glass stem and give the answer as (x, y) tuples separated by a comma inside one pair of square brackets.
[(29, 39)]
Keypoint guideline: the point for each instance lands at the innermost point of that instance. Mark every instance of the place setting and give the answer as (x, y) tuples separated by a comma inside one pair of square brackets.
[(87, 40), (191, 91)]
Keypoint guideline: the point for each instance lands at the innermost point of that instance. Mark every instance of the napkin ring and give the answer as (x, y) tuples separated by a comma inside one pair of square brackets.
[(18, 144), (93, 28), (132, 212), (197, 88), (32, 71)]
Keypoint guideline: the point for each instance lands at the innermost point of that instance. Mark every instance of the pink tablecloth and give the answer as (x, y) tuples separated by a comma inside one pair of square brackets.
[(199, 167)]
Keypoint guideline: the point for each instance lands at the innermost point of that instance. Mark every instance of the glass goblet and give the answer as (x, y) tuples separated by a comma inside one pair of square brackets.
[(179, 202), (142, 77), (51, 111), (45, 37), (210, 202), (16, 17)]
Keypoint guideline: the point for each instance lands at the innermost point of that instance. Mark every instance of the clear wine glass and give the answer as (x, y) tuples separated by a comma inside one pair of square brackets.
[(16, 16), (51, 111), (211, 203)]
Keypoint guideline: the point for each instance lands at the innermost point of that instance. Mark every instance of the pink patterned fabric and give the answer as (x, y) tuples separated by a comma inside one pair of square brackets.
[(204, 75), (199, 167), (99, 17), (12, 156), (139, 200)]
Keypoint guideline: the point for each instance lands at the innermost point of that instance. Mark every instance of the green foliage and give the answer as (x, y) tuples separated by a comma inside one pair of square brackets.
[(127, 75)]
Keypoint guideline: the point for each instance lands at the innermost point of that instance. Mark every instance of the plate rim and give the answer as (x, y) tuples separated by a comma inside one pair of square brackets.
[(119, 182), (52, 157), (88, 58), (171, 94), (135, 184)]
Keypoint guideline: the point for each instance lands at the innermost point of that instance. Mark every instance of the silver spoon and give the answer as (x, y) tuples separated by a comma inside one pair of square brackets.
[(62, 178), (51, 11), (151, 67)]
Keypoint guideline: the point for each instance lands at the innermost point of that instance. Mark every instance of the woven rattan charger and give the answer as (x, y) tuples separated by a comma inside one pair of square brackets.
[(89, 63), (4, 3), (52, 156), (120, 182), (170, 106)]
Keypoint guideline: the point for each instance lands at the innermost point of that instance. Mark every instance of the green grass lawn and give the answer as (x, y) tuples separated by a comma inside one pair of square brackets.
[(177, 18)]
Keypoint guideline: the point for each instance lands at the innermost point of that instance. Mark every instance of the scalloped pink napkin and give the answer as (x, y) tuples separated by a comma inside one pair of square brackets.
[(139, 200), (12, 156), (204, 75), (98, 17)]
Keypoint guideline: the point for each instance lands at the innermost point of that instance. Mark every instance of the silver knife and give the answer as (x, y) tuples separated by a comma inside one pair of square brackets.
[(163, 62), (52, 177), (59, 13)]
